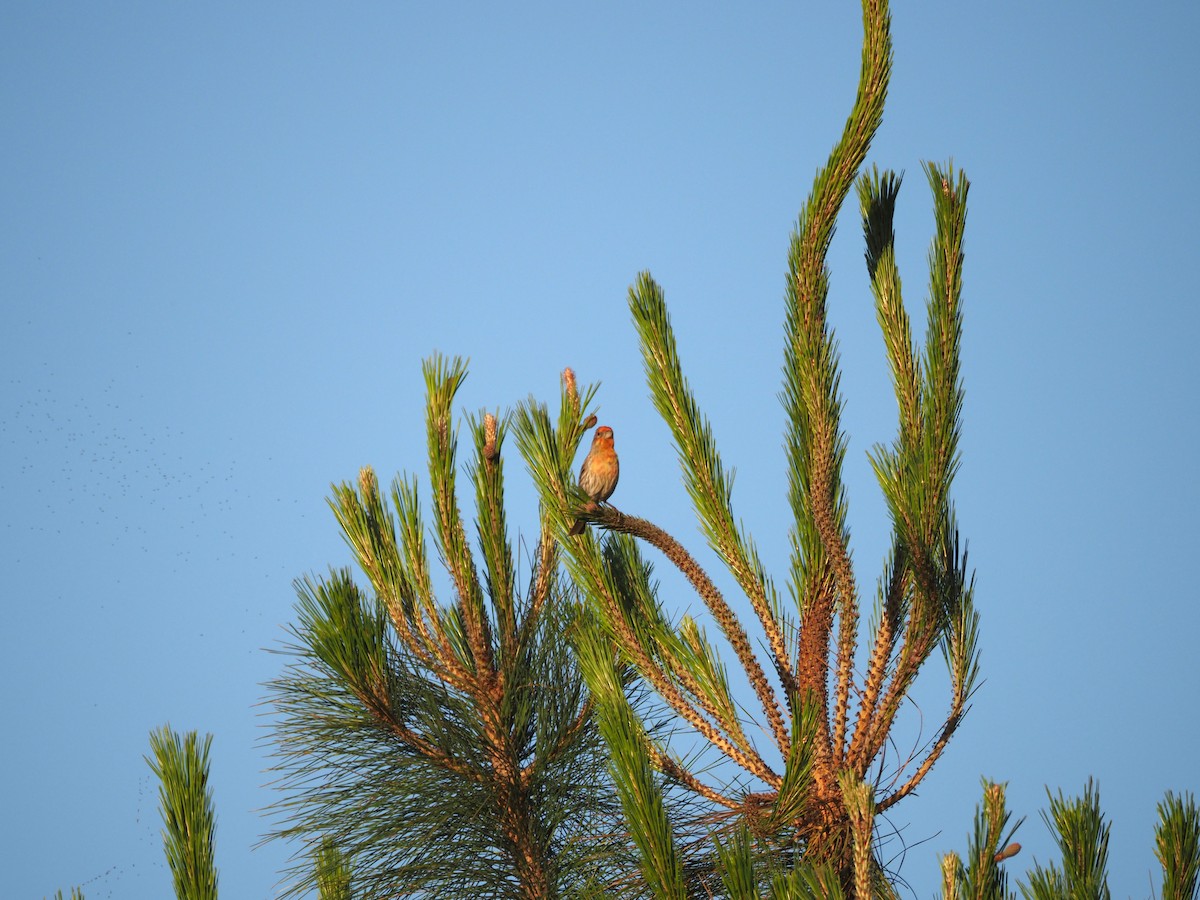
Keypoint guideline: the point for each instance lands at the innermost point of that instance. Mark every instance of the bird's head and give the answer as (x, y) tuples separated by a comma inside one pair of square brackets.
[(604, 435)]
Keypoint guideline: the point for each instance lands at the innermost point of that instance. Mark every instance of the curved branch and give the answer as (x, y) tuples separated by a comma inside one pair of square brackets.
[(611, 518)]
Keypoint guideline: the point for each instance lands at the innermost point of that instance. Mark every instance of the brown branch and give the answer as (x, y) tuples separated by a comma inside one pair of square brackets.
[(374, 698), (373, 545), (564, 741), (920, 636), (813, 668), (547, 556), (455, 552), (885, 643), (429, 642), (542, 580), (466, 585), (747, 757), (917, 646), (724, 616), (810, 338), (935, 752), (516, 819), (834, 541), (672, 769)]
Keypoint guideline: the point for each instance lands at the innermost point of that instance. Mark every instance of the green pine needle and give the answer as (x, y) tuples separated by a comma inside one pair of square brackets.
[(1177, 846), (189, 822)]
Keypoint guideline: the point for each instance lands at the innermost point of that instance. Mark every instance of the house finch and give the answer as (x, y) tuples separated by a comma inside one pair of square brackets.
[(599, 473)]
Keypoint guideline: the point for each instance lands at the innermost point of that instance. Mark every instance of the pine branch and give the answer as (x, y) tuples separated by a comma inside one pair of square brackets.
[(877, 194), (450, 749), (1082, 834), (401, 579), (736, 861), (860, 807), (916, 474), (982, 877), (547, 561), (349, 639), (943, 387), (442, 380), (677, 772), (181, 764), (646, 639), (888, 628), (413, 559), (705, 478), (960, 642), (1177, 846), (333, 873), (877, 201), (815, 445), (633, 773), (487, 474), (611, 518)]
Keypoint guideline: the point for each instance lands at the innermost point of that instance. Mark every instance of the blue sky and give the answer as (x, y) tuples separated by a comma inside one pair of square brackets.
[(232, 232)]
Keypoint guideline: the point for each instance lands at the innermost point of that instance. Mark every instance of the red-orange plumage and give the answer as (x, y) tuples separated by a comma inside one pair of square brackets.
[(600, 470)]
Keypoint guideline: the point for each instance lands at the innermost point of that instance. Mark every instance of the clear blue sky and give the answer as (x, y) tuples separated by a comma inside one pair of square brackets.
[(231, 232)]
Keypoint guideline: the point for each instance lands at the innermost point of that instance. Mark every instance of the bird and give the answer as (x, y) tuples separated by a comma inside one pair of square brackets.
[(599, 472)]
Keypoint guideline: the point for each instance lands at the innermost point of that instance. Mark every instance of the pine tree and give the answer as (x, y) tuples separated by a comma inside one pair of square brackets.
[(828, 724), (441, 748), (509, 741)]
